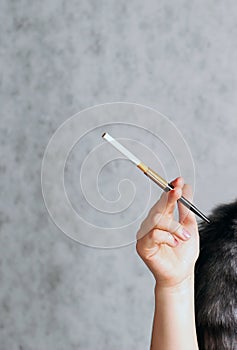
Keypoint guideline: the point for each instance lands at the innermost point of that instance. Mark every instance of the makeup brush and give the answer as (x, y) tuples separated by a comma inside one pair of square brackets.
[(152, 174)]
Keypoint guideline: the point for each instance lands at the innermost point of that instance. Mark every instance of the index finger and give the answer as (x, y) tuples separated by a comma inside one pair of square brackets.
[(186, 216), (167, 201)]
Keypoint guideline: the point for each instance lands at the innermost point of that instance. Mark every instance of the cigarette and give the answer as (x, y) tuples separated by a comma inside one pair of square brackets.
[(152, 174)]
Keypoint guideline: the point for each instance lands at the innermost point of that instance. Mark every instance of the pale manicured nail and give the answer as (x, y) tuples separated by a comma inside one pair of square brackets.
[(186, 234)]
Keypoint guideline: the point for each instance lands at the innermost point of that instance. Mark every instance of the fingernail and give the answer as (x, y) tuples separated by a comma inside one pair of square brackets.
[(186, 234)]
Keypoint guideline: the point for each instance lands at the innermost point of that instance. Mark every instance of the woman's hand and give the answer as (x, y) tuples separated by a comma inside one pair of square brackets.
[(170, 248)]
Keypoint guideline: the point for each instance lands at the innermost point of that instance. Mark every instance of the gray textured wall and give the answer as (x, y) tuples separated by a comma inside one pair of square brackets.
[(57, 58)]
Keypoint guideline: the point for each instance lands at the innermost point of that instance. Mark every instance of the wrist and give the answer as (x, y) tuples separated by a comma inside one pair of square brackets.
[(182, 287)]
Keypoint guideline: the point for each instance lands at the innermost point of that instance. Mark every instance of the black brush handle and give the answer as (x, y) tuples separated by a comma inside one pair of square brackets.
[(167, 187), (188, 204)]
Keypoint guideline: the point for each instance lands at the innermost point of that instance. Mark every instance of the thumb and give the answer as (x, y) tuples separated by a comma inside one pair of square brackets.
[(186, 216)]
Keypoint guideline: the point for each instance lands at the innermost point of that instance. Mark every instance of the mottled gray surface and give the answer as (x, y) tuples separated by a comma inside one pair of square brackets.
[(58, 58)]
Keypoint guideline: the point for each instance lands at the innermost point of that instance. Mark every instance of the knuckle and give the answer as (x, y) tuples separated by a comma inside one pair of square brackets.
[(138, 247), (153, 234)]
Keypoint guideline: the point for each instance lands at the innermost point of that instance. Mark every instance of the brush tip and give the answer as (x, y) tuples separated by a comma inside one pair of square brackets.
[(103, 134)]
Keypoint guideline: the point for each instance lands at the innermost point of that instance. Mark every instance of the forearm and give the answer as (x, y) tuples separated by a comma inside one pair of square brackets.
[(174, 318)]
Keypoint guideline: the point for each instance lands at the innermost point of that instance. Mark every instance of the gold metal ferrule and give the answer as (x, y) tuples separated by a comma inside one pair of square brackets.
[(153, 175), (143, 167)]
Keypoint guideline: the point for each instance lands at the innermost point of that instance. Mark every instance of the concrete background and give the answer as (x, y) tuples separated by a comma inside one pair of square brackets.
[(58, 58)]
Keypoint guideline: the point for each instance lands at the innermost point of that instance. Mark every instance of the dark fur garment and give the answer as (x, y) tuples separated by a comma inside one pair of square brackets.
[(216, 281)]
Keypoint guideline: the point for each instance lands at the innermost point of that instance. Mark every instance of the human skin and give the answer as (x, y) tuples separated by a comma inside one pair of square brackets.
[(170, 249)]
